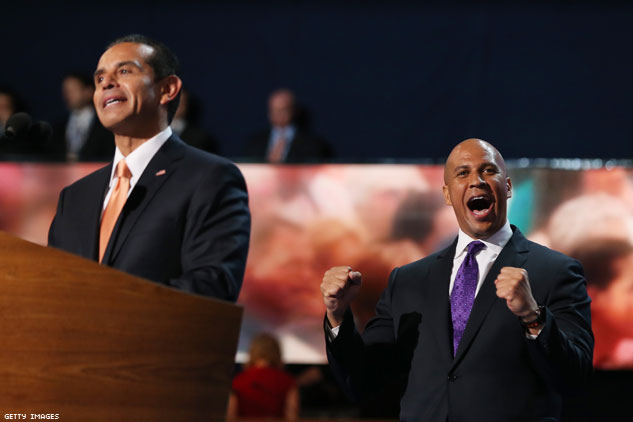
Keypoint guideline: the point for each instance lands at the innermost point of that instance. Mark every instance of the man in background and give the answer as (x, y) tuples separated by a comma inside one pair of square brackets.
[(287, 140), (80, 136)]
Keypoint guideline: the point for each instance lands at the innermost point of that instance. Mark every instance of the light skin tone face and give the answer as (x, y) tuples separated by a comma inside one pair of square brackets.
[(76, 94), (477, 187), (281, 108), (129, 100)]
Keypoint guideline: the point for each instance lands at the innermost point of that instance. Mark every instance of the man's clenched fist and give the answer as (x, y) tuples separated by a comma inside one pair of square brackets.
[(513, 285), (339, 287)]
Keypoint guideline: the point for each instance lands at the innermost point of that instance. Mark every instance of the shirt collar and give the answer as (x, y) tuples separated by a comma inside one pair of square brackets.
[(494, 243), (138, 159)]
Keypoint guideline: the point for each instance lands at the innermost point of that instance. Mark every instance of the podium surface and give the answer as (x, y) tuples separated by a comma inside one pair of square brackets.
[(84, 342)]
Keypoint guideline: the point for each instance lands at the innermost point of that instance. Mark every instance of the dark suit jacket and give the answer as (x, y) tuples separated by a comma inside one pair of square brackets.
[(497, 374), (304, 148), (187, 227), (99, 145)]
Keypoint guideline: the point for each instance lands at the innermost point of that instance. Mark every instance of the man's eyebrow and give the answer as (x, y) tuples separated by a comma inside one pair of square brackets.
[(118, 65), (462, 167)]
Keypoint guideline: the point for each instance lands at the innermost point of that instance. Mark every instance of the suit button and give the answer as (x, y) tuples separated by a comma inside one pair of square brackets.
[(452, 377)]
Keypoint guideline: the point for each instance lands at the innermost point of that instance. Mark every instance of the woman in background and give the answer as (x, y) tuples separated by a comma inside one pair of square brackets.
[(264, 389)]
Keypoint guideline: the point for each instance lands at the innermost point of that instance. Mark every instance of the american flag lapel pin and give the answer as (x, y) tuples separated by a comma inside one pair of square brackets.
[(160, 172)]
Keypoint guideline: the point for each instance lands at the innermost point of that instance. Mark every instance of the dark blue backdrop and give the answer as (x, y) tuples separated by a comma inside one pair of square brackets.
[(381, 79)]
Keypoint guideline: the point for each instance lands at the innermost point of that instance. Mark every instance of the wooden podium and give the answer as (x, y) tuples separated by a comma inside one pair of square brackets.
[(84, 342)]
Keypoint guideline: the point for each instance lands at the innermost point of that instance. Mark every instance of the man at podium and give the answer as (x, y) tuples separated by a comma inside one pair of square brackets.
[(161, 209)]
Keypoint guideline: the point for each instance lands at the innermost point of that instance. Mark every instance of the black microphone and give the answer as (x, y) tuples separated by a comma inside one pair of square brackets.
[(25, 138), (40, 132), (18, 126)]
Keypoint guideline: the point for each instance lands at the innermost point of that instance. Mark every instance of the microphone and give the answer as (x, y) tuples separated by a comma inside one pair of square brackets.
[(18, 126), (40, 132), (24, 138)]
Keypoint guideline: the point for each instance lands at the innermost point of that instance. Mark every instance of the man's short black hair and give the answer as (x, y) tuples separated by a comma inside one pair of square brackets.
[(163, 62)]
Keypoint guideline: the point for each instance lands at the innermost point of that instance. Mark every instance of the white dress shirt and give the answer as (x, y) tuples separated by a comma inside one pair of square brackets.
[(485, 258), (137, 160)]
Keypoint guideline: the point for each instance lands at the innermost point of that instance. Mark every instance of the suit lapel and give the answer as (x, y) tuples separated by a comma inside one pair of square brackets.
[(438, 306), (514, 254), (158, 170), (93, 213)]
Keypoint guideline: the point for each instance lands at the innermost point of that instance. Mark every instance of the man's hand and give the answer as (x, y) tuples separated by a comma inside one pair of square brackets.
[(513, 285), (339, 287)]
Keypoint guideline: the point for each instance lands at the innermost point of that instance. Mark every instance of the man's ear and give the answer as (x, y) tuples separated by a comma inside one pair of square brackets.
[(447, 195), (171, 86), (509, 187)]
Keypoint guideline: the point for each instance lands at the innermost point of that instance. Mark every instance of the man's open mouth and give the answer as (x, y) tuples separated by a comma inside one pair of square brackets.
[(480, 205), (114, 100)]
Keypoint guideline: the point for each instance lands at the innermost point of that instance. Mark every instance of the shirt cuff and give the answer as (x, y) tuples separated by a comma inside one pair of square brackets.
[(528, 335), (331, 332), (334, 331)]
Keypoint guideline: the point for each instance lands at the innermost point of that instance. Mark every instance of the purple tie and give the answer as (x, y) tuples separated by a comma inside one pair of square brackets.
[(463, 294)]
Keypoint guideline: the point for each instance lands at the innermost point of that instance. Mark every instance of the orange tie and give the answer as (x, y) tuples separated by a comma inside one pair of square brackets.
[(115, 205), (276, 154)]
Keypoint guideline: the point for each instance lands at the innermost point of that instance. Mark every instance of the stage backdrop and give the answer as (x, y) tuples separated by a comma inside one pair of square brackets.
[(307, 219)]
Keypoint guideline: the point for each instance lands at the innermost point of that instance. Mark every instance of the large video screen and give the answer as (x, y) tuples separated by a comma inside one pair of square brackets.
[(307, 219)]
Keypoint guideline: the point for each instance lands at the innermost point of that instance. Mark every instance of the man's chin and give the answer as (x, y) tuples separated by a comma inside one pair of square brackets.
[(115, 126), (482, 229)]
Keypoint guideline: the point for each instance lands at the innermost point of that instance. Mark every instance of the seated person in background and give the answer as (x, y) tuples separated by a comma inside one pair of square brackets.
[(185, 124), (263, 389), (287, 141), (80, 135)]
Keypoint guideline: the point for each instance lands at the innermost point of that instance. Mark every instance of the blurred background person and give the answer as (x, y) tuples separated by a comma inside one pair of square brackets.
[(264, 390), (288, 140), (597, 229), (11, 103), (186, 124), (80, 136), (608, 264)]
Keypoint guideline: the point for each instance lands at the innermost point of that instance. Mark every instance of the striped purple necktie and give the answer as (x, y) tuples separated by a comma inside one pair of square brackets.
[(463, 294)]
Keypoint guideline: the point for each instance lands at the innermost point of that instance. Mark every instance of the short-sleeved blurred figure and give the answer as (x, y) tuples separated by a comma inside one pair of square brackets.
[(264, 389)]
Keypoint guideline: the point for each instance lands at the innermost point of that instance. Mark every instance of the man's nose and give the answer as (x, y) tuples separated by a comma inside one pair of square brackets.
[(108, 82), (477, 179)]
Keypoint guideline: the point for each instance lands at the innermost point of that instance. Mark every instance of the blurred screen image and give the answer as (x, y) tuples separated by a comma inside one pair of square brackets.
[(373, 218)]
